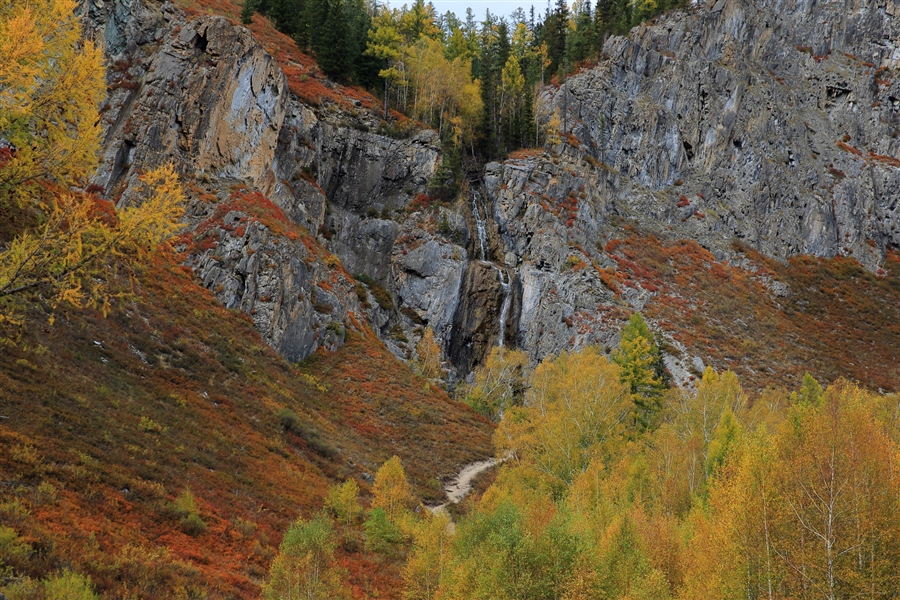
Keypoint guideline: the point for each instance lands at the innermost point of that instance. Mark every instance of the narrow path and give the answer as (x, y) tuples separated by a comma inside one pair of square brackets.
[(459, 487)]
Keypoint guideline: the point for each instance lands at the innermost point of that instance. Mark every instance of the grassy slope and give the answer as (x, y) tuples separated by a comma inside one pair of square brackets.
[(839, 320), (171, 391)]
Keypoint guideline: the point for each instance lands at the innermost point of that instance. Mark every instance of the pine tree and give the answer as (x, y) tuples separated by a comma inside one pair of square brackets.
[(332, 51), (810, 392), (313, 21), (554, 34), (724, 443), (641, 363), (363, 67), (580, 43), (286, 15), (248, 9)]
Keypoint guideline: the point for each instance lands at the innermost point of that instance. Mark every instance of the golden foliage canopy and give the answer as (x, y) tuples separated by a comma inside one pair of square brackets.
[(51, 83)]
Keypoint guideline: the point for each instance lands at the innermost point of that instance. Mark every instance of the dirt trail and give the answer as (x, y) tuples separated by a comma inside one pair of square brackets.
[(458, 487)]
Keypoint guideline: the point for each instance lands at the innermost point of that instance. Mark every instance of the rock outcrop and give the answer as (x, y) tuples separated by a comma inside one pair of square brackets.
[(757, 122), (201, 94), (781, 120), (752, 121), (204, 95), (295, 293)]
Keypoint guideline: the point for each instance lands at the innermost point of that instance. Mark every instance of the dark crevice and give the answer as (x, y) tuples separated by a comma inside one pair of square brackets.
[(200, 42), (121, 163)]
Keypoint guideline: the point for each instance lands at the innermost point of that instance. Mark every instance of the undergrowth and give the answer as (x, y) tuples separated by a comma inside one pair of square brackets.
[(108, 422)]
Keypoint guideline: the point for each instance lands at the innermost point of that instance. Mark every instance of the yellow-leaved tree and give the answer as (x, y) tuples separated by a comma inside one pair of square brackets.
[(343, 501), (499, 383), (305, 566), (576, 409), (51, 83), (431, 539), (391, 490), (429, 352), (57, 242)]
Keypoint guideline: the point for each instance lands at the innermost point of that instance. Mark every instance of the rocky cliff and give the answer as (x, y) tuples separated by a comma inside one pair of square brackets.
[(203, 94), (769, 122), (750, 122), (766, 124)]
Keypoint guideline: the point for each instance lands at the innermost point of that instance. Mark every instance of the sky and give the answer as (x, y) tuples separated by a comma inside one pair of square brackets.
[(501, 8)]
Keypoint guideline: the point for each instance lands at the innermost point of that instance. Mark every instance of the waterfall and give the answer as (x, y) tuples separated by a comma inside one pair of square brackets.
[(507, 300), (479, 225), (504, 275), (505, 281)]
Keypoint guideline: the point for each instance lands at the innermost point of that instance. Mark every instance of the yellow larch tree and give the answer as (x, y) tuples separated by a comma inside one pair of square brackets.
[(429, 353), (343, 501), (431, 539), (575, 410), (51, 83), (391, 490)]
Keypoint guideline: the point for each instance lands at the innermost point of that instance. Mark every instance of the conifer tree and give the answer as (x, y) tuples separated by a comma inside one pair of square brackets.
[(248, 9), (429, 364), (50, 87), (641, 363), (343, 501), (810, 393), (331, 41), (384, 44)]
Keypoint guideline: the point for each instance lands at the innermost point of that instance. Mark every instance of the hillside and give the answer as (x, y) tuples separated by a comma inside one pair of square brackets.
[(106, 421), (728, 170)]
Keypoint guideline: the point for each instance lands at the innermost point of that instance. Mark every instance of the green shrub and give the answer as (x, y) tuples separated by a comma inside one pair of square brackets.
[(13, 550), (381, 295), (69, 586), (291, 422), (382, 536), (193, 525), (247, 528), (288, 420), (363, 295)]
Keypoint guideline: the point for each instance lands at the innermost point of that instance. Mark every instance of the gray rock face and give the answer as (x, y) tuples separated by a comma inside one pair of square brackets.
[(361, 175), (760, 121), (553, 221), (769, 123), (203, 95), (781, 119), (297, 301), (427, 271)]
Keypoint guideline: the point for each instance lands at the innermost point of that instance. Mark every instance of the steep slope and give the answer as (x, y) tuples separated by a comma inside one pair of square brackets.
[(107, 421)]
